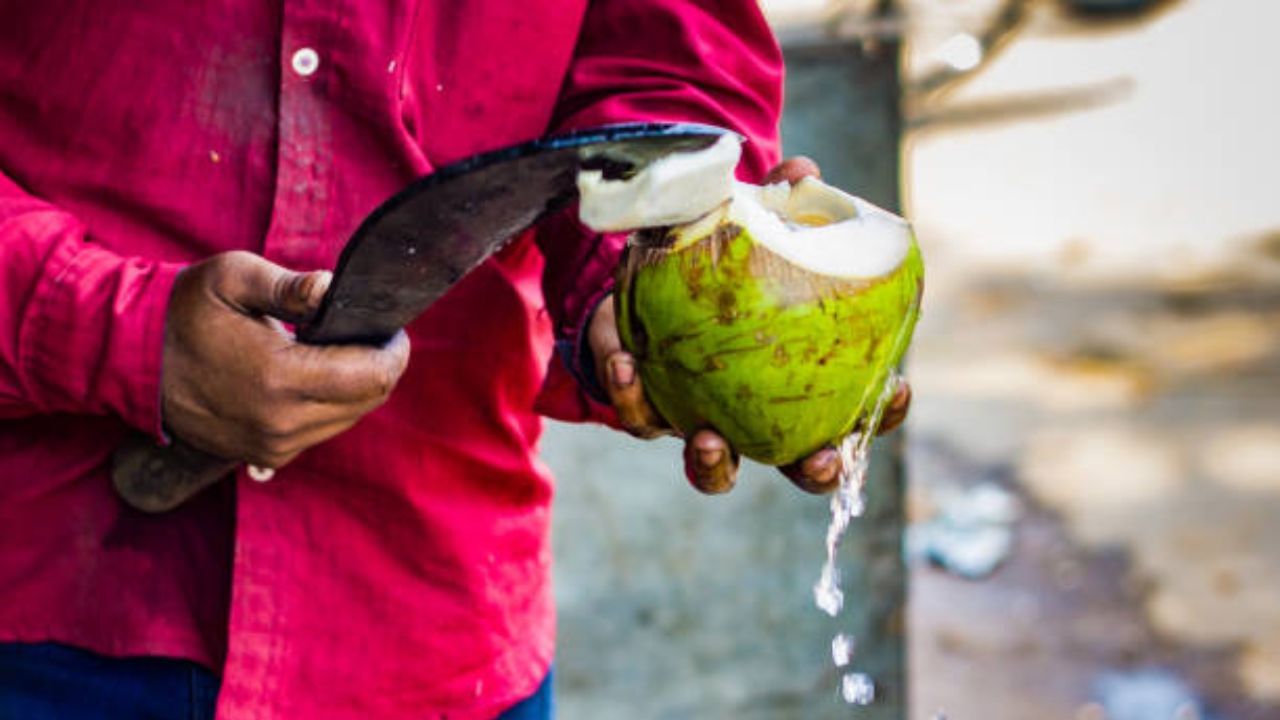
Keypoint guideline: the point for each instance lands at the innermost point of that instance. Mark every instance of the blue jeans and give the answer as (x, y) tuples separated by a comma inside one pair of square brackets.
[(47, 681)]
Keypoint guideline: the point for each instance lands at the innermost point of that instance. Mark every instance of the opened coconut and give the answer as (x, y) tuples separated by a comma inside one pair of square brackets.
[(775, 318)]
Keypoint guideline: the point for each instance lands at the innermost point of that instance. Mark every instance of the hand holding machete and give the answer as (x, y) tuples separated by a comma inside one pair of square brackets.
[(236, 384)]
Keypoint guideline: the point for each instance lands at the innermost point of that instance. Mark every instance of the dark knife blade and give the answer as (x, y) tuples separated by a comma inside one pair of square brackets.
[(414, 247), (411, 250)]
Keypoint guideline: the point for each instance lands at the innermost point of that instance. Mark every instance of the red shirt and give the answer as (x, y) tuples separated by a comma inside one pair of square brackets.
[(401, 569)]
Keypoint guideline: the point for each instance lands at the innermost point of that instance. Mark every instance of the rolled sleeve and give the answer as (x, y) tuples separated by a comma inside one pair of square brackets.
[(92, 334), (654, 60)]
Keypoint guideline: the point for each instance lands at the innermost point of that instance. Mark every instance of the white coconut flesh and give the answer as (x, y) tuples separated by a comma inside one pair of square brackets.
[(811, 224), (814, 226), (825, 230), (672, 190)]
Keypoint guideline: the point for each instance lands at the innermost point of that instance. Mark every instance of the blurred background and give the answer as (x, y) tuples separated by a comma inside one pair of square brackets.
[(1081, 519)]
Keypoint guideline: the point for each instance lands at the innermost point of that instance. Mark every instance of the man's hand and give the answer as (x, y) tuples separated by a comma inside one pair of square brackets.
[(235, 382), (709, 462)]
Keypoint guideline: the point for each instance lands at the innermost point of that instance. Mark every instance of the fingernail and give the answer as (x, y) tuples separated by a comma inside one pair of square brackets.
[(824, 460), (314, 285), (324, 279), (708, 459), (828, 468), (622, 372)]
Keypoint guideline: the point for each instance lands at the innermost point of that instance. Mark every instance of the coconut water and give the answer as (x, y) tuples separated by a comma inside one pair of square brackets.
[(847, 503)]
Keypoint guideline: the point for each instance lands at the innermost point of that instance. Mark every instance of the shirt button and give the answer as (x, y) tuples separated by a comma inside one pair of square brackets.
[(305, 61)]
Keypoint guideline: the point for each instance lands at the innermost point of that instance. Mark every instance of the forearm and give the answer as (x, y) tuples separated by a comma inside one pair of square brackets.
[(714, 63)]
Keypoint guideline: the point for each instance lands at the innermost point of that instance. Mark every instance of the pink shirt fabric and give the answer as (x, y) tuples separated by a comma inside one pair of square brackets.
[(401, 569)]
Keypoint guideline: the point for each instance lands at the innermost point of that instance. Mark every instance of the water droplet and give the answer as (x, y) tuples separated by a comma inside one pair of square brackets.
[(842, 649), (826, 592), (847, 503), (857, 689)]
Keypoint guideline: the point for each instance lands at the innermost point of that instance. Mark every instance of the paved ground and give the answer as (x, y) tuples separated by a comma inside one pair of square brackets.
[(677, 606)]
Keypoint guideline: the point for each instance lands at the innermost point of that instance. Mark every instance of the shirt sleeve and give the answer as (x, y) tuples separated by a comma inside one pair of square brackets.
[(713, 62), (81, 328)]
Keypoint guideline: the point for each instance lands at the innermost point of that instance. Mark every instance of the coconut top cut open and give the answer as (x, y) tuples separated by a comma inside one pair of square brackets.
[(814, 226), (810, 224)]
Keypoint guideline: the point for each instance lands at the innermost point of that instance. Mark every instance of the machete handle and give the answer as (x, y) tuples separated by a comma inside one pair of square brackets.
[(157, 478)]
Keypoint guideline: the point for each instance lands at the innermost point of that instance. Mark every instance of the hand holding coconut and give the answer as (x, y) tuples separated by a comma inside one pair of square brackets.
[(768, 325)]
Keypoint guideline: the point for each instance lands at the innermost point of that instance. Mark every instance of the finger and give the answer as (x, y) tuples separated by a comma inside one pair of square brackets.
[(308, 293), (340, 374), (618, 375), (818, 473), (255, 285), (300, 425), (602, 333), (626, 394), (793, 169), (272, 453), (896, 413), (709, 463)]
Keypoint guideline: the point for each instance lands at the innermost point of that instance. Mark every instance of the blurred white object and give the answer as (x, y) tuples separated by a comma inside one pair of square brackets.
[(260, 474), (857, 689), (972, 533), (961, 51)]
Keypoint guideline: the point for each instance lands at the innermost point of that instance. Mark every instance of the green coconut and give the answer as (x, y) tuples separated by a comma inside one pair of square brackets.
[(775, 319)]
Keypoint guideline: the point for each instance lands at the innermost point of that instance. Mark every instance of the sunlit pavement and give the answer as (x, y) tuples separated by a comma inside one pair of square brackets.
[(1100, 212)]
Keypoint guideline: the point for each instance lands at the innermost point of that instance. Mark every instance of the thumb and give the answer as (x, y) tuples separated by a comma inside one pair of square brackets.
[(258, 286), (793, 170)]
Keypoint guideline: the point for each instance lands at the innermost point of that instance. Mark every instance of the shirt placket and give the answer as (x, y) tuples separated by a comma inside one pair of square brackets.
[(304, 167), (304, 183)]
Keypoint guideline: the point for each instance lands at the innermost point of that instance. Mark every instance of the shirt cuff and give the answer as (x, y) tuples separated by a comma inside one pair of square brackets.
[(575, 351), (93, 338)]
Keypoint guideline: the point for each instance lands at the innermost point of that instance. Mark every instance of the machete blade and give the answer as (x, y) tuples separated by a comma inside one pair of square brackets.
[(418, 244)]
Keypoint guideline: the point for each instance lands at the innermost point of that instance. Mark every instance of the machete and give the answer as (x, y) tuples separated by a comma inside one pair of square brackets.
[(407, 254)]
